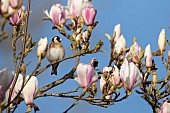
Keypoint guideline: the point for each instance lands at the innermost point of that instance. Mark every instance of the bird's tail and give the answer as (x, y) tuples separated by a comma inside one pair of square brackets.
[(54, 69)]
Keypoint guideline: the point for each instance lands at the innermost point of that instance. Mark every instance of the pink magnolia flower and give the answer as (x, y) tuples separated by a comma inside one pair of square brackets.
[(117, 30), (17, 87), (89, 14), (165, 108), (86, 74), (129, 56), (75, 7), (148, 56), (14, 3), (30, 90), (42, 46), (5, 81), (130, 75), (115, 78), (58, 14), (107, 69), (162, 40), (4, 6), (120, 44), (135, 49), (16, 18)]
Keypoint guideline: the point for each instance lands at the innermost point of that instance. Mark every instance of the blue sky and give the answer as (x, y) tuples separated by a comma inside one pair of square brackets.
[(143, 19)]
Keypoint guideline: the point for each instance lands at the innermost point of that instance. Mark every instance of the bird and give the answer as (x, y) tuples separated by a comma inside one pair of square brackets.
[(55, 52)]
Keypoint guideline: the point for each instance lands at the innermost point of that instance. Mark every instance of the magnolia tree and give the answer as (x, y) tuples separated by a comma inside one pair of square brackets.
[(128, 67)]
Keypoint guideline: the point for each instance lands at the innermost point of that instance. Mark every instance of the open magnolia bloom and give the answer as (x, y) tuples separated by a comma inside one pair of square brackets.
[(6, 78), (17, 17), (130, 75), (86, 74), (58, 14)]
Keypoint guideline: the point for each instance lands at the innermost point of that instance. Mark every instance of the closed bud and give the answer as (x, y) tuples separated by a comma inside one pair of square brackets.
[(154, 79), (117, 32), (162, 40), (148, 56)]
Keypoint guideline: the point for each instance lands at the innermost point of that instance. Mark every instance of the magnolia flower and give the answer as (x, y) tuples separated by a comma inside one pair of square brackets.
[(30, 90), (58, 14), (17, 87), (129, 56), (120, 44), (107, 69), (115, 78), (14, 3), (86, 74), (5, 81), (135, 49), (42, 46), (102, 84), (148, 56), (130, 75), (75, 7), (165, 108), (89, 14), (117, 30), (162, 40), (85, 35), (4, 6), (16, 18)]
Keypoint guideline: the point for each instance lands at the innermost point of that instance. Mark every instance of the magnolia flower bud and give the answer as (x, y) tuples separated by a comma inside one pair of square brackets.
[(14, 3), (89, 14), (154, 79), (86, 74), (17, 87), (115, 78), (130, 75), (30, 90), (148, 56), (42, 46), (85, 35), (162, 40), (117, 32), (107, 69), (75, 7), (120, 44), (5, 81), (135, 49)]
